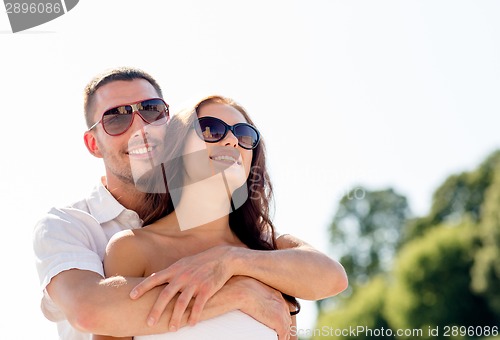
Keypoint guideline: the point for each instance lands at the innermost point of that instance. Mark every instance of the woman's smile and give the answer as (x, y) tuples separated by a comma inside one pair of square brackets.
[(226, 155)]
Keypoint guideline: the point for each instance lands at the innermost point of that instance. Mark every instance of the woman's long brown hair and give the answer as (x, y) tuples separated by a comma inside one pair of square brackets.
[(251, 222)]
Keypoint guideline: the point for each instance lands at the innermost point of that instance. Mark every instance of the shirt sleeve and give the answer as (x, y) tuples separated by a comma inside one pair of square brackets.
[(67, 239)]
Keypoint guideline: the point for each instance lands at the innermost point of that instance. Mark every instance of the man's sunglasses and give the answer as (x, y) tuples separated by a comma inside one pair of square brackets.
[(213, 130), (118, 120)]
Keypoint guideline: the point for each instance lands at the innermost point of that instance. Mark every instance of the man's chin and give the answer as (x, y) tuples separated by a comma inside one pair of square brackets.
[(150, 180)]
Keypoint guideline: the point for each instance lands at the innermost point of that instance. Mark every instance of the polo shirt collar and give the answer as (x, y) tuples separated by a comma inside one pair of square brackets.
[(102, 205)]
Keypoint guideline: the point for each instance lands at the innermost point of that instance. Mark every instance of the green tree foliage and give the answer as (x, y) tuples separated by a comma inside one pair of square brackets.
[(432, 283), (460, 196), (365, 309), (365, 231), (447, 268), (486, 270)]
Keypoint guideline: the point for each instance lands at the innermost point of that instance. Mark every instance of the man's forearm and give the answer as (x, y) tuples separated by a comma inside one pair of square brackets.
[(118, 315), (300, 271), (103, 306)]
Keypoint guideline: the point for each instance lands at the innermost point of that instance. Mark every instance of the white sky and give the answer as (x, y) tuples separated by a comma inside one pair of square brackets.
[(378, 93)]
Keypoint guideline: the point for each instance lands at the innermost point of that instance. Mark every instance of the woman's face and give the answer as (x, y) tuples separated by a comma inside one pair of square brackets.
[(203, 160)]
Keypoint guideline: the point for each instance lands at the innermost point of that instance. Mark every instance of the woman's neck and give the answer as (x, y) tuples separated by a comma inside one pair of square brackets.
[(203, 204), (211, 234)]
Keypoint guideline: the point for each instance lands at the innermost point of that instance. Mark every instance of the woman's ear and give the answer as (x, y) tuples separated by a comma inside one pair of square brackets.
[(91, 144)]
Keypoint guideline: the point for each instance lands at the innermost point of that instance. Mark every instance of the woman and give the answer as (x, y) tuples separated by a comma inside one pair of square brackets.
[(218, 195)]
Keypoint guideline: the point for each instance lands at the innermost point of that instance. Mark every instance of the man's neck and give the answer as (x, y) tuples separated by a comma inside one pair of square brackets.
[(126, 194)]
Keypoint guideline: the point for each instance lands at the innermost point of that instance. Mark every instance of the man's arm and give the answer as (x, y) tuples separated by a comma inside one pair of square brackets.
[(103, 306), (96, 305), (296, 269)]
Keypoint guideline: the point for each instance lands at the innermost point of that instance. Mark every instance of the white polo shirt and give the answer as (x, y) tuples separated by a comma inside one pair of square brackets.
[(75, 237)]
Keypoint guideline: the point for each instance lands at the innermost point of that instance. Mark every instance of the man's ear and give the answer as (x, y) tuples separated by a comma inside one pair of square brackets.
[(91, 144)]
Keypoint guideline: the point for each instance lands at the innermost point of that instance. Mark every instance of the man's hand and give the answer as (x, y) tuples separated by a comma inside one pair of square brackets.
[(196, 277), (262, 303)]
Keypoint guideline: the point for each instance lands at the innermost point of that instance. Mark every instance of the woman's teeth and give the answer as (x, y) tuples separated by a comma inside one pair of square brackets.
[(141, 151), (224, 158)]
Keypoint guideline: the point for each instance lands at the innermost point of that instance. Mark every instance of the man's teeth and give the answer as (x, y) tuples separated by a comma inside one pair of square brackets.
[(224, 158), (141, 151)]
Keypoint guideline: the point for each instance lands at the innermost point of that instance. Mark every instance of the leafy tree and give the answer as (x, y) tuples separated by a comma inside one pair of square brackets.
[(460, 196), (447, 270), (432, 282), (486, 270), (365, 231), (363, 309)]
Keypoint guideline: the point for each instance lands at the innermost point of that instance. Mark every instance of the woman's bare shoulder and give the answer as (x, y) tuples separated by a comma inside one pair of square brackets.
[(125, 237)]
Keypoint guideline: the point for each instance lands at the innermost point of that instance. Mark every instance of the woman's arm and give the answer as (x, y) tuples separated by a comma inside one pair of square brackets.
[(296, 269), (124, 257)]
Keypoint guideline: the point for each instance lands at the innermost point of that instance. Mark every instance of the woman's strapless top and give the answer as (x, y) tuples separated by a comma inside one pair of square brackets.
[(235, 325)]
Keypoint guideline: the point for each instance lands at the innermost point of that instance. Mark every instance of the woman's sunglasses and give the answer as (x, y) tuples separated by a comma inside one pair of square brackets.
[(213, 130), (118, 120)]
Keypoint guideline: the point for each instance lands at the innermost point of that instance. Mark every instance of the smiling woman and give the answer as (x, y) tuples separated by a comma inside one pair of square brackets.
[(211, 150)]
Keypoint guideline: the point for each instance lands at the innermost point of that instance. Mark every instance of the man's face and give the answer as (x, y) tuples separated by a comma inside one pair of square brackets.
[(131, 154)]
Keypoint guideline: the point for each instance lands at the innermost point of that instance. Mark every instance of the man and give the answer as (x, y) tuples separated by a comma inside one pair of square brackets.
[(126, 117)]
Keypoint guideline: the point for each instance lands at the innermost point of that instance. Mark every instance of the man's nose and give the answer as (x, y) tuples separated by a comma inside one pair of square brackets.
[(139, 125)]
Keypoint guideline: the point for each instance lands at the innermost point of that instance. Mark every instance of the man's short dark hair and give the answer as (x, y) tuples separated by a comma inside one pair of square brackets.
[(116, 74)]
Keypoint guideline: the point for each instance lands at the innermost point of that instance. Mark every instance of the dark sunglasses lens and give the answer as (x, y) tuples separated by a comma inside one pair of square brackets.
[(117, 120), (247, 136), (212, 130), (154, 111)]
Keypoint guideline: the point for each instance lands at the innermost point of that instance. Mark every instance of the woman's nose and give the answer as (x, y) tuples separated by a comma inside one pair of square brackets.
[(230, 139)]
